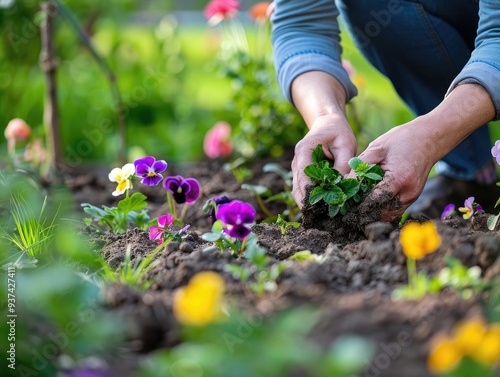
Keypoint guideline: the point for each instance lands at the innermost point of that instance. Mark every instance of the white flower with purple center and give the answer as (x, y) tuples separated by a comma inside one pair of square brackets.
[(237, 216), (149, 169), (495, 151)]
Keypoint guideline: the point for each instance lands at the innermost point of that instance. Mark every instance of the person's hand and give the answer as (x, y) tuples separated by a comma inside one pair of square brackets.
[(339, 145), (406, 154)]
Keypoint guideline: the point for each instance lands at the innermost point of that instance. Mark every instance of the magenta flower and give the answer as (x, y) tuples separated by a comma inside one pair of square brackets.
[(149, 169), (495, 151), (448, 210), (218, 10), (470, 207), (237, 216), (184, 190), (217, 143), (156, 232)]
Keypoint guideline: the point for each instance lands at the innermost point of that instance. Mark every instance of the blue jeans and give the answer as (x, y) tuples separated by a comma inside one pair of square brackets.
[(421, 46)]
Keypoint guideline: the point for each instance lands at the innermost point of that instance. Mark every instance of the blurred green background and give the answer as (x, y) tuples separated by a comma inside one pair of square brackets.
[(163, 55)]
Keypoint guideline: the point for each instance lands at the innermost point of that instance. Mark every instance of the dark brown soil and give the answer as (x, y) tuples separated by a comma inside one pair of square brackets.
[(362, 264)]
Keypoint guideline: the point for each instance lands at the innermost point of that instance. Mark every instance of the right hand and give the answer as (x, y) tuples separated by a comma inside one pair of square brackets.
[(339, 145)]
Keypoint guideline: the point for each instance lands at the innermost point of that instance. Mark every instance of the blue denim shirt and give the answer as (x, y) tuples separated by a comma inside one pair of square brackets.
[(306, 37)]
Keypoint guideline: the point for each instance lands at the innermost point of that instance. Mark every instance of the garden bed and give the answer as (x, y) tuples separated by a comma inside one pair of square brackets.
[(350, 289)]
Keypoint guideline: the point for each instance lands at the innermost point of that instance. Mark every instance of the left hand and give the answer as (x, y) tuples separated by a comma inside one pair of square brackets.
[(406, 153)]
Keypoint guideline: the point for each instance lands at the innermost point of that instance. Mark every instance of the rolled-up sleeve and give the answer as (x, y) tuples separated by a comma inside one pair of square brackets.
[(483, 67), (306, 37)]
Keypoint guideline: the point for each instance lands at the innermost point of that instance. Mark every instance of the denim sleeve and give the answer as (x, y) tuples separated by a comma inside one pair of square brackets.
[(483, 67), (306, 37)]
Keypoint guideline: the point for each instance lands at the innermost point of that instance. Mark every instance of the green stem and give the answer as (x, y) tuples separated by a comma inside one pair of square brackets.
[(183, 212), (171, 204), (242, 247), (263, 207), (412, 275)]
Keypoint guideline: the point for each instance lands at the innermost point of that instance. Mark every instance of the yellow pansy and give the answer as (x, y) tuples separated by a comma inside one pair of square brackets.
[(200, 302), (444, 355), (419, 240), (469, 334), (488, 351), (122, 177)]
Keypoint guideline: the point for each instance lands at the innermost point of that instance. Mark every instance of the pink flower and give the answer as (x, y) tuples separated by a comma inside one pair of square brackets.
[(217, 142), (218, 10), (156, 232), (18, 130)]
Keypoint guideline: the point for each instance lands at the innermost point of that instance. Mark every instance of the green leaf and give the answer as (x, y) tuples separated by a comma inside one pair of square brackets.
[(211, 236), (376, 169), (94, 211), (374, 176), (136, 202), (333, 210), (497, 203), (316, 195), (349, 186), (355, 162), (318, 154), (258, 190), (314, 172), (492, 222)]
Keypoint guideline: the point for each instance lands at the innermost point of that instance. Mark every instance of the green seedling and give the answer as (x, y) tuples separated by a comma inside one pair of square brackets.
[(286, 195), (118, 219), (239, 171), (132, 275), (283, 224), (260, 193), (33, 230), (306, 255), (337, 192)]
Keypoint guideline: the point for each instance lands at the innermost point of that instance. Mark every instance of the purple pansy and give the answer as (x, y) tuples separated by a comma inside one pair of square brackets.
[(149, 169), (156, 232), (184, 190), (470, 207), (448, 210), (495, 151), (236, 215)]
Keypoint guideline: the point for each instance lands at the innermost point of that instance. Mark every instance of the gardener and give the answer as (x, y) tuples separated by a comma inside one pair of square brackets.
[(443, 60)]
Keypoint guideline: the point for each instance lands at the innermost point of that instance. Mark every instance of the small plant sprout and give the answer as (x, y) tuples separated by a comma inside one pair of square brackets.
[(336, 192), (260, 193), (262, 275), (217, 142), (448, 211), (472, 341), (201, 301), (181, 190), (237, 168), (164, 231), (283, 224), (286, 195), (418, 240), (149, 169), (470, 207), (132, 275), (123, 177)]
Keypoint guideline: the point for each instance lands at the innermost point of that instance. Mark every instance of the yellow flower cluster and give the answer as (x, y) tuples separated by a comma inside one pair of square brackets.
[(418, 240), (472, 338), (200, 302)]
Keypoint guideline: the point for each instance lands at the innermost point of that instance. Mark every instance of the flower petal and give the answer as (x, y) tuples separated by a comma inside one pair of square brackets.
[(152, 181), (155, 232), (238, 231), (160, 166), (148, 161), (172, 183), (128, 170), (193, 193), (141, 170), (115, 175)]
